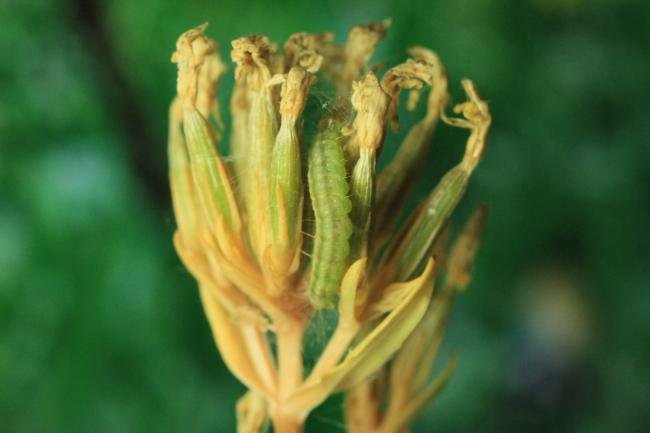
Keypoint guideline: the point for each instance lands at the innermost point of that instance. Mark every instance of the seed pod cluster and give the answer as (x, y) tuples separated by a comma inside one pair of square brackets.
[(299, 218)]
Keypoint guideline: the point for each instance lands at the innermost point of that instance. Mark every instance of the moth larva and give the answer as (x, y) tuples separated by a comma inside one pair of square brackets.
[(328, 188)]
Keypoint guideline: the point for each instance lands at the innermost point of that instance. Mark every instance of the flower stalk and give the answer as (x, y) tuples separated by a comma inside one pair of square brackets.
[(287, 226)]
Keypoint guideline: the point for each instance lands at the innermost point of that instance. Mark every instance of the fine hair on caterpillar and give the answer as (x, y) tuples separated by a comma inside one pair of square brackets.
[(329, 192)]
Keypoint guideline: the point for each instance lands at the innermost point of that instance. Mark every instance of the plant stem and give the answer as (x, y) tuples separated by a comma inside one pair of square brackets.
[(284, 424), (289, 333), (260, 355)]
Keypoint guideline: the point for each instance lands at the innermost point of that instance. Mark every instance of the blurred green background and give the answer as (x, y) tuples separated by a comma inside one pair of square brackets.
[(101, 329)]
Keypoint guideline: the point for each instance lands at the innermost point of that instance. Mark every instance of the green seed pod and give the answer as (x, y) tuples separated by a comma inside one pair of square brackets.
[(416, 243), (286, 173), (371, 105), (239, 108), (328, 188), (209, 172), (285, 180), (413, 246), (361, 192), (463, 252), (199, 72), (252, 55), (180, 176)]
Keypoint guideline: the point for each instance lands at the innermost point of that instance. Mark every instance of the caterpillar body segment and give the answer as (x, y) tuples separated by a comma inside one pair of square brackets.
[(328, 189)]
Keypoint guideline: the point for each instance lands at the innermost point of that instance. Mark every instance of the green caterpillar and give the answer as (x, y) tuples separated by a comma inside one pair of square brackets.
[(328, 188)]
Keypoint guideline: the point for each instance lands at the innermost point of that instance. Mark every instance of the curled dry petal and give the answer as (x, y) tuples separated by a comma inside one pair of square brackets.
[(359, 47), (305, 50), (464, 250), (370, 103), (199, 69)]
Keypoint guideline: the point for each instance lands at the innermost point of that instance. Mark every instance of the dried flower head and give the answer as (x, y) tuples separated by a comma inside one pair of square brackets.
[(271, 241)]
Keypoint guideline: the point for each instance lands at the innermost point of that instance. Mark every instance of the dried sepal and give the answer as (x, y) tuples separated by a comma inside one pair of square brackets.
[(362, 406), (433, 329), (239, 135), (199, 70), (305, 50), (411, 367), (370, 103), (194, 260), (359, 47), (476, 118), (252, 54), (398, 419), (463, 252), (429, 392), (410, 75)]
